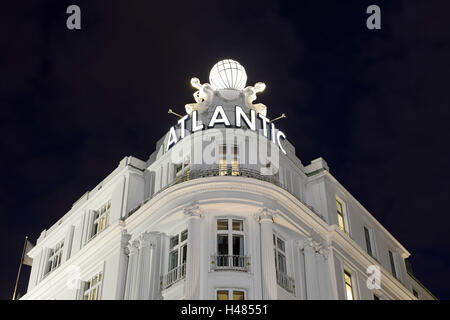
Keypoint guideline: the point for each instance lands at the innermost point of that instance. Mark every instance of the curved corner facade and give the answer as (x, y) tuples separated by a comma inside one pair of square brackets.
[(221, 210)]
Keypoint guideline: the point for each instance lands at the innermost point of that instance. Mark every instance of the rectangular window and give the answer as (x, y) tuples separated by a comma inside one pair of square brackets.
[(184, 254), (222, 244), (375, 297), (238, 295), (238, 245), (101, 219), (183, 170), (173, 241), (173, 259), (368, 241), (230, 243), (348, 285), (223, 166), (392, 261), (238, 225), (223, 161), (184, 235), (226, 294), (55, 257), (235, 162), (416, 294), (92, 287), (222, 224), (178, 250), (222, 295), (341, 215), (280, 255)]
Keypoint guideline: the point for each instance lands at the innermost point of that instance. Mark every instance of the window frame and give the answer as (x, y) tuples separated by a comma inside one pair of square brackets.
[(54, 254), (182, 169), (372, 243), (277, 251), (180, 248), (98, 286), (234, 159), (393, 264), (95, 231), (231, 293), (353, 283), (230, 233), (346, 227)]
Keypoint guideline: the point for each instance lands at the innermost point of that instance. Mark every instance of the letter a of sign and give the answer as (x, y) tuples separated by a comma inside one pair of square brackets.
[(374, 20), (74, 20)]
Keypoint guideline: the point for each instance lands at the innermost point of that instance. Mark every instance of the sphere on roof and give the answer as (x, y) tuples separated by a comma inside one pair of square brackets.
[(228, 74)]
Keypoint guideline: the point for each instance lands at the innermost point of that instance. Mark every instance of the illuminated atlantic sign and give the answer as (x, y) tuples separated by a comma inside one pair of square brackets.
[(219, 117)]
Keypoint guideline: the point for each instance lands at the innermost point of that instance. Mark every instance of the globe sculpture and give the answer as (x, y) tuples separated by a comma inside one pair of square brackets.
[(228, 74)]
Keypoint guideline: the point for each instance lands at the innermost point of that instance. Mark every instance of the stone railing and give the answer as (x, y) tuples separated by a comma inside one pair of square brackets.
[(286, 282), (213, 171), (173, 276), (226, 262)]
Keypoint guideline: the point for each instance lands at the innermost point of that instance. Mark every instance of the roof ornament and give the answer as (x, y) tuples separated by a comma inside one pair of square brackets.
[(203, 97), (250, 96), (225, 75)]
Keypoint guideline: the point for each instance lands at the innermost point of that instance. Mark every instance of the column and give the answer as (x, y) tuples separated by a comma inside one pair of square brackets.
[(299, 266), (143, 269), (123, 265), (268, 271), (312, 283), (132, 266), (155, 265), (193, 253)]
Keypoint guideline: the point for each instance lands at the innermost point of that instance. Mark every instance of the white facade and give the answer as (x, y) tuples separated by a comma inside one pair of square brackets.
[(249, 235)]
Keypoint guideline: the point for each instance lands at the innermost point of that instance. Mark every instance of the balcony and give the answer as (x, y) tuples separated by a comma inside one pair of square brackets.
[(230, 263), (286, 282), (173, 276), (215, 171)]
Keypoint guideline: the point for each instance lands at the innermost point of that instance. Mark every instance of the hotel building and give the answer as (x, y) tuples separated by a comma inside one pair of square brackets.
[(222, 209)]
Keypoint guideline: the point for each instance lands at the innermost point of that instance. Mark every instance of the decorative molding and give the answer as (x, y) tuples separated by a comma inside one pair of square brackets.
[(145, 240), (193, 211), (265, 214), (124, 240), (133, 247)]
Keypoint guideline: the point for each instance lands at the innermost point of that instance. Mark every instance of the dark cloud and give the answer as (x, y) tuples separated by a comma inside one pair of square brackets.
[(374, 104)]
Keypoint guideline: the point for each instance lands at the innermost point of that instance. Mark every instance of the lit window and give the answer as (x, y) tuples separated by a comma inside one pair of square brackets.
[(348, 286), (392, 261), (178, 167), (238, 295), (237, 225), (222, 224), (55, 257), (235, 163), (341, 215), (92, 287), (183, 170), (101, 219), (222, 295), (230, 243), (230, 294), (223, 163)]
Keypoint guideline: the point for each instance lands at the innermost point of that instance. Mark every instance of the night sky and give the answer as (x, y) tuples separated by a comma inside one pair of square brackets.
[(373, 103)]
